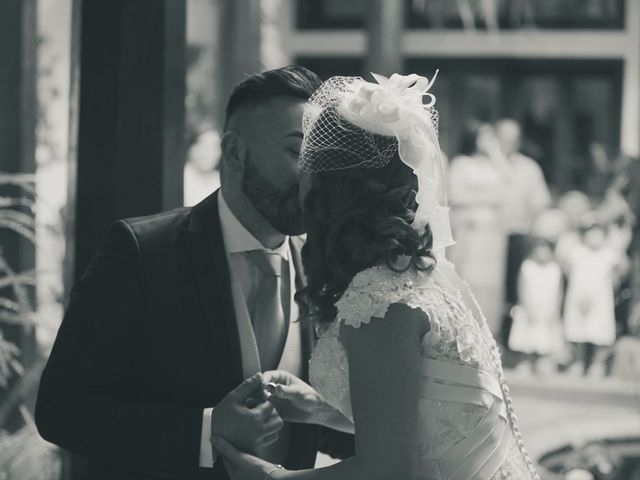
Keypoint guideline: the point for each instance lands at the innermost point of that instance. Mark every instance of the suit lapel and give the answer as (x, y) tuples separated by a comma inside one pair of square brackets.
[(207, 259)]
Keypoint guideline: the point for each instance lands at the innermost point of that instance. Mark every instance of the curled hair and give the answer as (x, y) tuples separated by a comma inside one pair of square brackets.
[(357, 218)]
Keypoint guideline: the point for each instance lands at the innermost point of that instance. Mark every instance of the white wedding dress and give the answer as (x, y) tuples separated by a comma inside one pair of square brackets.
[(466, 425)]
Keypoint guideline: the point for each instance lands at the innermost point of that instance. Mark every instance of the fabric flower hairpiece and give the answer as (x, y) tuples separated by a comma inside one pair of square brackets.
[(383, 104), (395, 106)]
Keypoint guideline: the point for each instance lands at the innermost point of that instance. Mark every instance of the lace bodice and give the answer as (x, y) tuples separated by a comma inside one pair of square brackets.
[(465, 404)]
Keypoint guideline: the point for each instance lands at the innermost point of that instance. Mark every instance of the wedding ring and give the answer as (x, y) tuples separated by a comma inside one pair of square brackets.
[(270, 389)]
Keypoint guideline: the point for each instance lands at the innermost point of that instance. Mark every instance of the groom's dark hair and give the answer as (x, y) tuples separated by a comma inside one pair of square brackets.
[(292, 80)]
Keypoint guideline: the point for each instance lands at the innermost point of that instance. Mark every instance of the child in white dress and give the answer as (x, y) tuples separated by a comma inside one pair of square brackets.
[(589, 314), (537, 328)]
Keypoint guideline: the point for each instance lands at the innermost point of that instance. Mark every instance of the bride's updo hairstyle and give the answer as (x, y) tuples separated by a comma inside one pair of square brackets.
[(356, 217)]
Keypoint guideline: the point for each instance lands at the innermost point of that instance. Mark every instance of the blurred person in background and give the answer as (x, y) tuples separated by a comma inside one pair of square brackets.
[(600, 175), (550, 224), (617, 213), (525, 195), (537, 328), (630, 188), (593, 268), (202, 170), (476, 186), (576, 206)]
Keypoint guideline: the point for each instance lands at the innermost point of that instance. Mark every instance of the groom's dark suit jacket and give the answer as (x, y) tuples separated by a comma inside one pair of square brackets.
[(149, 339)]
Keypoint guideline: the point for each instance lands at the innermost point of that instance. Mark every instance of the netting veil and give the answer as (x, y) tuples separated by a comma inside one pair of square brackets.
[(349, 122)]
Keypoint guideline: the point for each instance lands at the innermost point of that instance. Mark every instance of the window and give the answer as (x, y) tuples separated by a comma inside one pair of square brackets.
[(471, 14)]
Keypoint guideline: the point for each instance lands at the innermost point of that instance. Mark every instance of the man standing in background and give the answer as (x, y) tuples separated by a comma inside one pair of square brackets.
[(525, 195)]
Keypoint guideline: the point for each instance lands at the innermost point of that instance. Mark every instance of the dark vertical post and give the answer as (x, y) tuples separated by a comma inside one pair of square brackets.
[(18, 38), (385, 28), (130, 145), (126, 145), (564, 135), (17, 85)]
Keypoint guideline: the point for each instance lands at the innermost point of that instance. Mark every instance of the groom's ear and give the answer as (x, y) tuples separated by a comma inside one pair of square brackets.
[(234, 150)]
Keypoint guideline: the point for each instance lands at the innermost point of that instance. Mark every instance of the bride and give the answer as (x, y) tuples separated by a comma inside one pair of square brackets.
[(404, 359)]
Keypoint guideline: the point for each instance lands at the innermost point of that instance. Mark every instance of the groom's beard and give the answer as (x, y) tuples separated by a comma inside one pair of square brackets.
[(280, 208)]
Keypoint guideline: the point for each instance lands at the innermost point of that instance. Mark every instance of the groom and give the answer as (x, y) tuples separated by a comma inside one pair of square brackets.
[(176, 310)]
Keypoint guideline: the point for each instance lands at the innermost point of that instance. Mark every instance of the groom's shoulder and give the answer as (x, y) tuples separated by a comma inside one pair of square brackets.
[(172, 222), (159, 223), (161, 232), (152, 233)]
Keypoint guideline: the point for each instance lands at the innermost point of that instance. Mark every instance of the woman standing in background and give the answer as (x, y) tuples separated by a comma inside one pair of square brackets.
[(476, 186)]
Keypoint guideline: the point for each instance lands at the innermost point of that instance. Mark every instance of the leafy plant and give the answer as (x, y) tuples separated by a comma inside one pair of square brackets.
[(23, 454), (17, 216)]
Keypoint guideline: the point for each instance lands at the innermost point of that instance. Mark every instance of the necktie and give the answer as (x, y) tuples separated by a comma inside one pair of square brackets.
[(269, 314)]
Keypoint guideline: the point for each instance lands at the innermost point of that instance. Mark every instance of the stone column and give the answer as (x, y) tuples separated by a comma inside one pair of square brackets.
[(239, 45), (385, 24)]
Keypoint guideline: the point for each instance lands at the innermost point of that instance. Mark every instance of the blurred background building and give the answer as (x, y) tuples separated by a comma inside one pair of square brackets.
[(114, 109)]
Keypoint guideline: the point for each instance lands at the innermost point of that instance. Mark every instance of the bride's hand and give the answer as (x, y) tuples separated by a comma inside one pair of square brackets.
[(243, 466), (295, 400)]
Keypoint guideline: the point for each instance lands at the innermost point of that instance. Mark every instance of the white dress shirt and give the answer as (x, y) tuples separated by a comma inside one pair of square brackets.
[(245, 278)]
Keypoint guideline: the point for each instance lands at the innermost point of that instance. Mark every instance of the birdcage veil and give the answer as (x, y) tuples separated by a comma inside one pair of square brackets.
[(331, 142), (351, 123)]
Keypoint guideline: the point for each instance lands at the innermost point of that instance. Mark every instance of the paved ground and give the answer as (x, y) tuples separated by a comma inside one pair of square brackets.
[(555, 411)]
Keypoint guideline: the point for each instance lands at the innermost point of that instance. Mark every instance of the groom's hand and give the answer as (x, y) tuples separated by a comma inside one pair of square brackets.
[(245, 418)]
